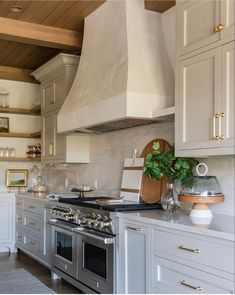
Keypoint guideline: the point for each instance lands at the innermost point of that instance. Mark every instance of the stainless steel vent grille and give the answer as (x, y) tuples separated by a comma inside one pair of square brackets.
[(118, 125)]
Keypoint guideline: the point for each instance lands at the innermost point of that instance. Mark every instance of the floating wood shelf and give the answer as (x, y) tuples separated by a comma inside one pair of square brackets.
[(20, 159), (21, 135), (36, 111)]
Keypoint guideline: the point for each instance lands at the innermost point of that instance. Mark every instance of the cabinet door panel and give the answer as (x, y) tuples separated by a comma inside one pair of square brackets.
[(198, 88), (59, 88), (134, 250), (6, 220), (227, 17), (196, 23), (48, 124), (60, 142), (48, 97), (227, 95)]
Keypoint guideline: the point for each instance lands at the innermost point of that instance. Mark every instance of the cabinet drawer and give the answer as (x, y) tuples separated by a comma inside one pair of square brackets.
[(19, 203), (33, 244), (33, 224), (33, 207), (19, 217), (19, 237), (171, 277), (195, 250)]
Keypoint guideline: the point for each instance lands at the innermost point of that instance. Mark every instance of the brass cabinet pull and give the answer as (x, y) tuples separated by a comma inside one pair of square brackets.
[(51, 147), (134, 228), (216, 116), (218, 28), (221, 136), (182, 247), (184, 283)]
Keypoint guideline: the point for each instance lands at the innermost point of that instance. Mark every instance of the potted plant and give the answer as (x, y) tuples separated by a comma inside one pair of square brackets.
[(160, 164)]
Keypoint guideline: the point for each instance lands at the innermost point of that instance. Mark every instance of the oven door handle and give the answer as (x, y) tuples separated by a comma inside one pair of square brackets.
[(60, 224), (105, 240)]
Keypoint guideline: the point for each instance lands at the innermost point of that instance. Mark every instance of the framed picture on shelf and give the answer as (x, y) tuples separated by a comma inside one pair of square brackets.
[(17, 178), (4, 124)]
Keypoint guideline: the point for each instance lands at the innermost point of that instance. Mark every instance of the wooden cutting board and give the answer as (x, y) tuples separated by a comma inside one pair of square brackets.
[(152, 189)]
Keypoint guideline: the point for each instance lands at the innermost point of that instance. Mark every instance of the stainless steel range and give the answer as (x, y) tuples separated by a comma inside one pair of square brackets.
[(83, 238), (83, 243)]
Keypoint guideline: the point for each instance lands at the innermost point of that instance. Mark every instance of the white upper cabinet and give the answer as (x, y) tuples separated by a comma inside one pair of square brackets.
[(205, 103), (56, 77), (201, 23), (62, 148), (198, 101), (227, 17)]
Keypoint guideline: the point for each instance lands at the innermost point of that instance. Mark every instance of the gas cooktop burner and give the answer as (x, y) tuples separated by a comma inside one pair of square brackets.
[(90, 202)]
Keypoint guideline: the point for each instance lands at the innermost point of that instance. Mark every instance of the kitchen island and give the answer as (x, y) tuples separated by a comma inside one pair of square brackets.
[(160, 253)]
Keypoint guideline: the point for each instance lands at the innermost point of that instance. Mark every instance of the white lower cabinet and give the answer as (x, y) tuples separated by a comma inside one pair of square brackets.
[(7, 222), (31, 230), (161, 260), (172, 277), (133, 262)]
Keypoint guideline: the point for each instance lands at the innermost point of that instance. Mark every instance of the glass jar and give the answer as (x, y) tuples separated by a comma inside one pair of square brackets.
[(4, 98), (168, 200)]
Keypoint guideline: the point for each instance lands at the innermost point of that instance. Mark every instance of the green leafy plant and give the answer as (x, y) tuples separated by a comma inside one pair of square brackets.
[(165, 164)]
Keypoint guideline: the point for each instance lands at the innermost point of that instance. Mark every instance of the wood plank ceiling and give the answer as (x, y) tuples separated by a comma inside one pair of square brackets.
[(25, 54)]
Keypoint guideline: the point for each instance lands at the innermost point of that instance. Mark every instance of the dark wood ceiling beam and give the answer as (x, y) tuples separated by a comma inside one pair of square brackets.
[(17, 74), (159, 5), (41, 35)]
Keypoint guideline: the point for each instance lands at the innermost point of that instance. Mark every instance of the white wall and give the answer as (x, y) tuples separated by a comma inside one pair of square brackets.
[(22, 95)]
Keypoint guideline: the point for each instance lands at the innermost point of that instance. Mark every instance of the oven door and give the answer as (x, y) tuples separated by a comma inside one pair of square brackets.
[(64, 248), (96, 260)]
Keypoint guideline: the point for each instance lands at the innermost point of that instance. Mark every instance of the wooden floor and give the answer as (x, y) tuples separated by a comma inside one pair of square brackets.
[(21, 260)]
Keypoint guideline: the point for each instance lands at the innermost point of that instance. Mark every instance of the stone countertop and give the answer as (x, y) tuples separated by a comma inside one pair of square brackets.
[(34, 196), (221, 226)]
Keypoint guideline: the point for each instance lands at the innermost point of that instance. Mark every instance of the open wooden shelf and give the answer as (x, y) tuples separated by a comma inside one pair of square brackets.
[(21, 135), (36, 111), (20, 159)]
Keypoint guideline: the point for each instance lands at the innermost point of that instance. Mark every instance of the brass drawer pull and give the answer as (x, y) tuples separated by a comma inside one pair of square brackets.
[(184, 283), (182, 247), (134, 228), (218, 28)]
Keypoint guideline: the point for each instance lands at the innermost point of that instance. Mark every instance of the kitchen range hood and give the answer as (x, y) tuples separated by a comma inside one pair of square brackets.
[(124, 75)]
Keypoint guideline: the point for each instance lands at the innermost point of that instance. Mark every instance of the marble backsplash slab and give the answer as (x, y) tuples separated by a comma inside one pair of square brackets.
[(108, 152)]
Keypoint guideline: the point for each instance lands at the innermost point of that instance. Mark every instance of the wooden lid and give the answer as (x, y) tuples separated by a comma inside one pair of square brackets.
[(152, 189), (201, 200)]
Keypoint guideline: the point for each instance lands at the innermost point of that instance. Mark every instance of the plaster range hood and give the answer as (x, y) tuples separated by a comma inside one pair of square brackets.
[(124, 76)]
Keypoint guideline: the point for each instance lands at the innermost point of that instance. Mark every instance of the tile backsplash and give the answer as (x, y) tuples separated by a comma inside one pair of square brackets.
[(108, 152)]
